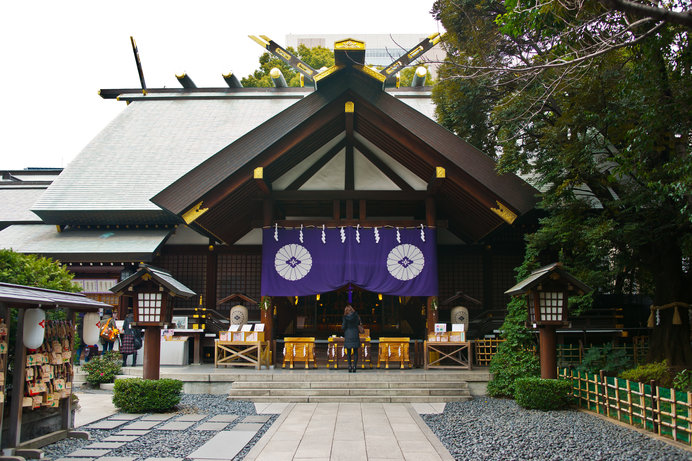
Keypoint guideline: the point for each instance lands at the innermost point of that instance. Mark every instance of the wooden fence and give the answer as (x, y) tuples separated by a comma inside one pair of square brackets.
[(664, 411), (570, 355), (485, 350)]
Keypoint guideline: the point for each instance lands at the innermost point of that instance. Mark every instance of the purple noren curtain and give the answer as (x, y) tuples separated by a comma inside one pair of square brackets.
[(372, 259)]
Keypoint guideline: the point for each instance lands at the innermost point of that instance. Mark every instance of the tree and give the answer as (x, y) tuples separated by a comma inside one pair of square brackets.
[(606, 139), (35, 271), (316, 58)]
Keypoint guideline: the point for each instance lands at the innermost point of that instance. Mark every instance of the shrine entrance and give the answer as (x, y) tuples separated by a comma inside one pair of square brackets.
[(321, 315)]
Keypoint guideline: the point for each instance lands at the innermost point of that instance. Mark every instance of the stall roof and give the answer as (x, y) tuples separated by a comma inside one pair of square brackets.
[(84, 244), (543, 273), (161, 276), (24, 296)]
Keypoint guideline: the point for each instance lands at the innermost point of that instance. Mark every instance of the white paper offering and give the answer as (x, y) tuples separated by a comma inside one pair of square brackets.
[(457, 327), (247, 327), (259, 327), (440, 328), (234, 328)]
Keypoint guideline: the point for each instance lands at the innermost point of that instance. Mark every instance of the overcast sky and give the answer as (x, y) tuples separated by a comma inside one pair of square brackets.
[(56, 55)]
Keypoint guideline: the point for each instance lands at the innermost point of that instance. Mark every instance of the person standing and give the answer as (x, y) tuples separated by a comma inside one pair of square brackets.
[(130, 340), (109, 331), (351, 327)]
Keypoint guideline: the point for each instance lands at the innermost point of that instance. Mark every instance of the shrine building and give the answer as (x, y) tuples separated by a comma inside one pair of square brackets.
[(293, 202)]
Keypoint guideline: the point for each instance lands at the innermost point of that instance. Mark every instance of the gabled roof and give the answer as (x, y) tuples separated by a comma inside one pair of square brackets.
[(145, 148), (161, 276), (544, 273), (473, 195)]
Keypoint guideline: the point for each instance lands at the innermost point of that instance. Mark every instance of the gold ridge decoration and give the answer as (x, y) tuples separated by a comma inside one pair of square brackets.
[(393, 67), (372, 73), (283, 54), (305, 68), (258, 173), (415, 52), (440, 172), (349, 107), (327, 72), (504, 212), (349, 44), (194, 213)]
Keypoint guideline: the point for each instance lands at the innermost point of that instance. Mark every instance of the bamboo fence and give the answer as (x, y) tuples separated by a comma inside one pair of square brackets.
[(664, 411)]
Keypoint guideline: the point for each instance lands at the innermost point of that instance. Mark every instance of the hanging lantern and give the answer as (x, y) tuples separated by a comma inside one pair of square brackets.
[(34, 328), (90, 328)]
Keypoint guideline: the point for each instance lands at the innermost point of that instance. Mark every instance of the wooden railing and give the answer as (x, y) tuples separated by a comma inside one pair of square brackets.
[(570, 355), (485, 349), (664, 411)]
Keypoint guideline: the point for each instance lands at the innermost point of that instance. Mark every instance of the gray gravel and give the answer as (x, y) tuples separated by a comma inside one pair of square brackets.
[(496, 429), (169, 443)]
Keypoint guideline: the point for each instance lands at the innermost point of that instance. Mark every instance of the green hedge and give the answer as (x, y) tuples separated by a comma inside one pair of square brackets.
[(103, 369), (135, 395), (543, 394), (657, 371)]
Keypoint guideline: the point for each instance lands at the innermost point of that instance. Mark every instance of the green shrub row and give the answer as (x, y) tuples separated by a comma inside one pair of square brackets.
[(543, 394), (656, 371), (135, 395), (103, 369)]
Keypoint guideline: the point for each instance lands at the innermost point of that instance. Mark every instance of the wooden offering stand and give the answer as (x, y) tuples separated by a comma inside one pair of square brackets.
[(394, 350), (336, 352), (299, 350), (451, 346), (241, 348)]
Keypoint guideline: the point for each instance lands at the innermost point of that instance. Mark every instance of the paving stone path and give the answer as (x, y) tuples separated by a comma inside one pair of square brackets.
[(224, 445)]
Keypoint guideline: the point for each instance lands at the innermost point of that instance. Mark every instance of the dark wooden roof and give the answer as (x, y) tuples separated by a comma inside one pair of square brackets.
[(465, 198), (25, 296)]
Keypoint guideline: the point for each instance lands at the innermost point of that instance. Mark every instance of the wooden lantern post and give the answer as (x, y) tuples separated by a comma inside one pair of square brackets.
[(548, 290), (153, 291)]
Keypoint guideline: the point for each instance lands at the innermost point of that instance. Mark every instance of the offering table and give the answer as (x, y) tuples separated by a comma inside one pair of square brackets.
[(458, 353), (239, 353), (394, 350), (336, 352), (299, 350)]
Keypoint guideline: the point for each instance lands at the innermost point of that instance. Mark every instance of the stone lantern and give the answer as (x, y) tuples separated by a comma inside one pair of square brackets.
[(547, 292), (153, 291)]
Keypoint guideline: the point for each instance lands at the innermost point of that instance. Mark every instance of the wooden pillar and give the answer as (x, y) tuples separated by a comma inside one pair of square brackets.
[(66, 422), (431, 313), (18, 384), (266, 315), (212, 268), (5, 314), (122, 307), (547, 338), (152, 352)]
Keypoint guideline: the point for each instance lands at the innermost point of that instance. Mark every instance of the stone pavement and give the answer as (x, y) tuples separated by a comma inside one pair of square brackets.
[(310, 431), (349, 431)]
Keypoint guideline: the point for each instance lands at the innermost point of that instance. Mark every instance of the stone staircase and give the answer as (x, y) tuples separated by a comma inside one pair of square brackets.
[(364, 386)]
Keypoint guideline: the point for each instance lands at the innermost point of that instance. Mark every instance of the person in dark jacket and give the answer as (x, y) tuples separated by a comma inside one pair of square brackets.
[(351, 328), (130, 340)]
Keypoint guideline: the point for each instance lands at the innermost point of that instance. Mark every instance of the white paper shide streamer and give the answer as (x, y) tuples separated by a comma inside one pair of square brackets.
[(398, 235), (358, 233), (301, 233), (324, 235), (276, 232), (422, 233), (377, 236), (343, 234)]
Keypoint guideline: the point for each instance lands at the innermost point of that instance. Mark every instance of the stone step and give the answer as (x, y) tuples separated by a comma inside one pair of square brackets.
[(348, 384), (347, 392), (354, 399)]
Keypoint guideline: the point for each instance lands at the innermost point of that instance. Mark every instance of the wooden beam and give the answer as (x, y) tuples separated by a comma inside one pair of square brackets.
[(440, 224), (18, 383), (315, 167), (349, 180), (362, 209), (349, 209), (383, 167), (326, 195), (336, 213)]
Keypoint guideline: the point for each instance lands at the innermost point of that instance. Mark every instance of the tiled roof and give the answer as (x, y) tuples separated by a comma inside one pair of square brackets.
[(17, 202), (147, 147), (84, 244)]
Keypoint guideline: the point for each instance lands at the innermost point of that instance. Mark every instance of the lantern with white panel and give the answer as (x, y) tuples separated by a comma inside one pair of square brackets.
[(153, 292), (547, 290)]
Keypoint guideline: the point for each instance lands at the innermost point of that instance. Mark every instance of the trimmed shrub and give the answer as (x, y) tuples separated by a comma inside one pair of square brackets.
[(103, 369), (657, 371), (543, 394), (135, 395)]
